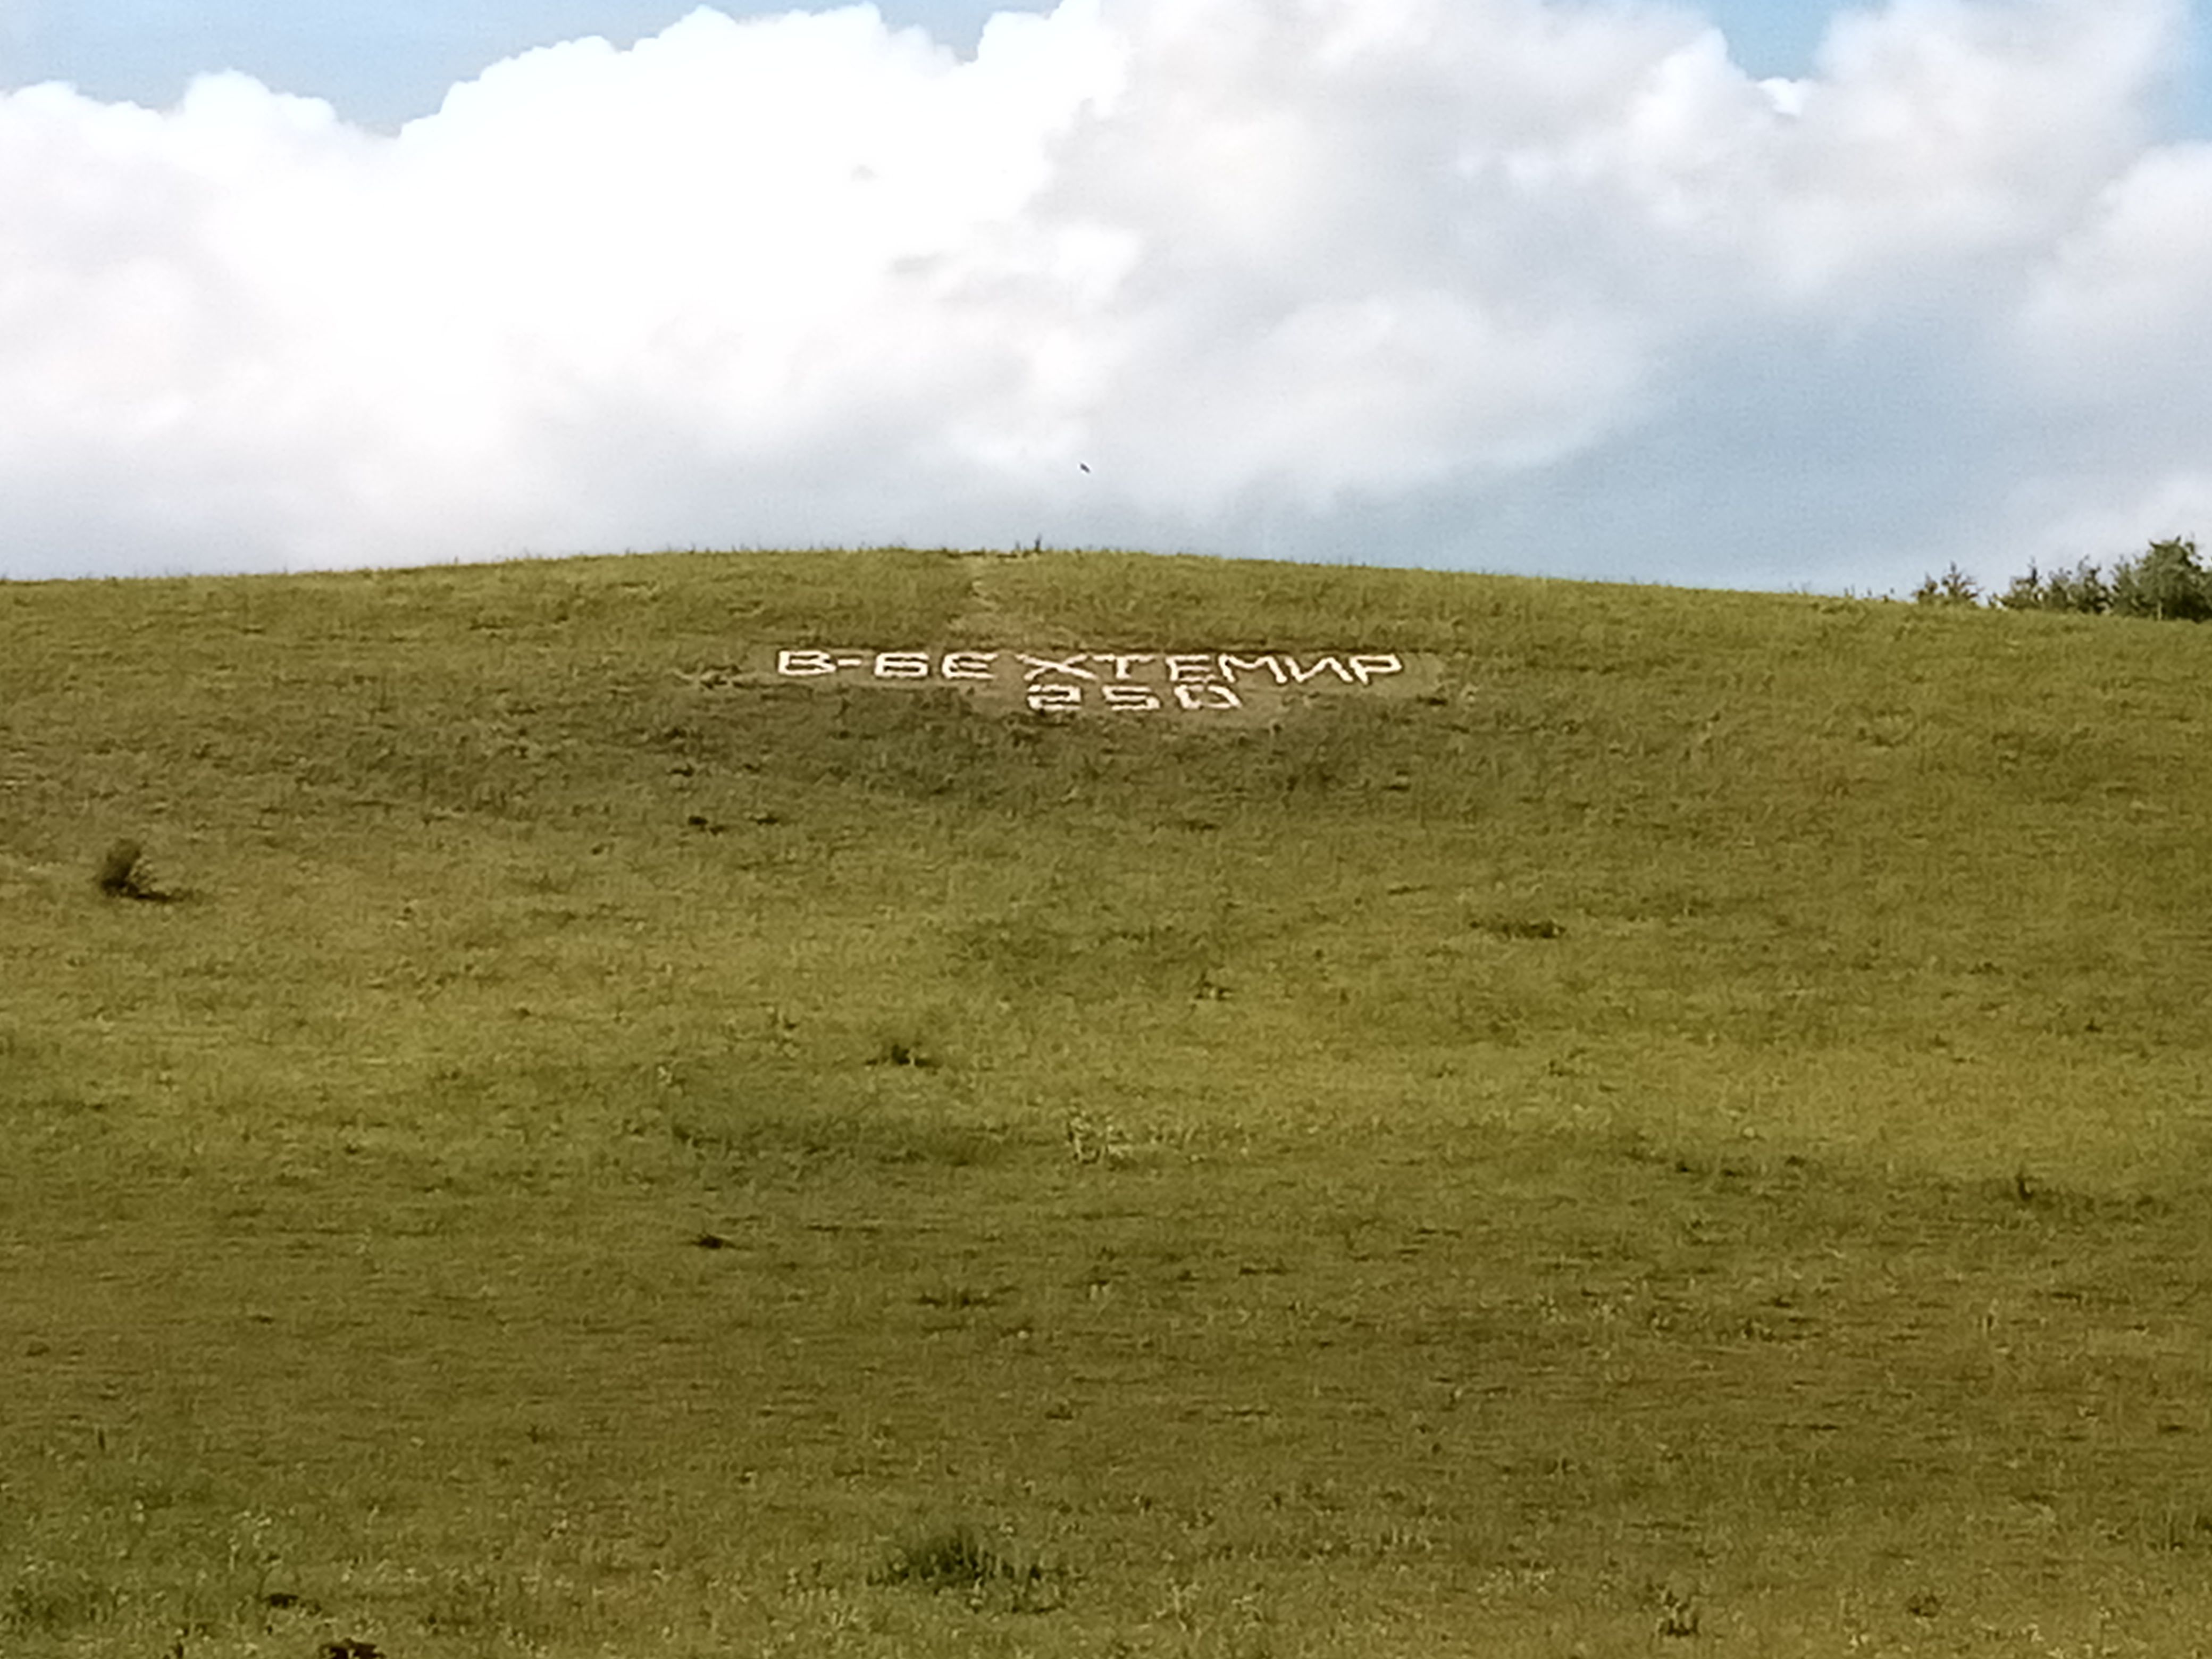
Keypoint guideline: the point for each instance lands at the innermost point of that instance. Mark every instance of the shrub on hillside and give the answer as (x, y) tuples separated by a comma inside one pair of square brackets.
[(964, 1556), (2082, 589), (121, 873), (1954, 586), (2166, 583)]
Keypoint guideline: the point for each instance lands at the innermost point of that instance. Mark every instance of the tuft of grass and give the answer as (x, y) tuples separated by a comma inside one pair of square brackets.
[(906, 1051), (55, 1601), (962, 1556), (2183, 1526), (957, 1556), (1538, 928), (1679, 1615), (122, 872)]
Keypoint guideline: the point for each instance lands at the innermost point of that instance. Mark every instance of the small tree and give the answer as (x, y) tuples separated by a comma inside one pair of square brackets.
[(2082, 589), (1954, 586), (2166, 583)]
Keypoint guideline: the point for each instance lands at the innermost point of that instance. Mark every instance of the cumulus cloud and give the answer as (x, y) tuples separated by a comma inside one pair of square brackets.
[(1524, 282)]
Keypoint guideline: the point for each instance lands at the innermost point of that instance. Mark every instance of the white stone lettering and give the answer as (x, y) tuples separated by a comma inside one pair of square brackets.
[(1212, 695), (1231, 665), (1133, 682), (1039, 666)]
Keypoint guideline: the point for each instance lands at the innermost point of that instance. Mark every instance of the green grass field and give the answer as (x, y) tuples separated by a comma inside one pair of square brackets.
[(1693, 1138)]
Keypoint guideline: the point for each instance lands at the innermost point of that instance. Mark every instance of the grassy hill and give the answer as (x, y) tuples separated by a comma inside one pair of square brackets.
[(1692, 1136)]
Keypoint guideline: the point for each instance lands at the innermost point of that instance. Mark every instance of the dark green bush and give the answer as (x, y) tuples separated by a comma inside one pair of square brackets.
[(964, 1556), (121, 873), (1954, 586), (2165, 583), (2083, 590)]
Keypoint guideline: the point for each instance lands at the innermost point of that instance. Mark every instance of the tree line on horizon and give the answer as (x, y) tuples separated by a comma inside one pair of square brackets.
[(2165, 583)]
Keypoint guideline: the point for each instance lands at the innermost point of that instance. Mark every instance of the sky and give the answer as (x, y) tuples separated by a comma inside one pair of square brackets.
[(1738, 294)]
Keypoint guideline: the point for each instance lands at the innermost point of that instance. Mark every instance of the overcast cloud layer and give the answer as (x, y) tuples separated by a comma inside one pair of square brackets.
[(1507, 284)]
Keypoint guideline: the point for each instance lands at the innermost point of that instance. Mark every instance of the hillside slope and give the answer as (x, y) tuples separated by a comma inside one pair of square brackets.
[(1695, 1115)]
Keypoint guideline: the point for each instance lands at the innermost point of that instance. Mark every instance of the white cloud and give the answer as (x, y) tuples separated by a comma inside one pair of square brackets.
[(2120, 305), (1291, 274)]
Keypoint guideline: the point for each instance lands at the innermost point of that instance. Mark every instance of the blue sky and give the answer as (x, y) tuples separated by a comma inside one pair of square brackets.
[(388, 61), (1526, 284)]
